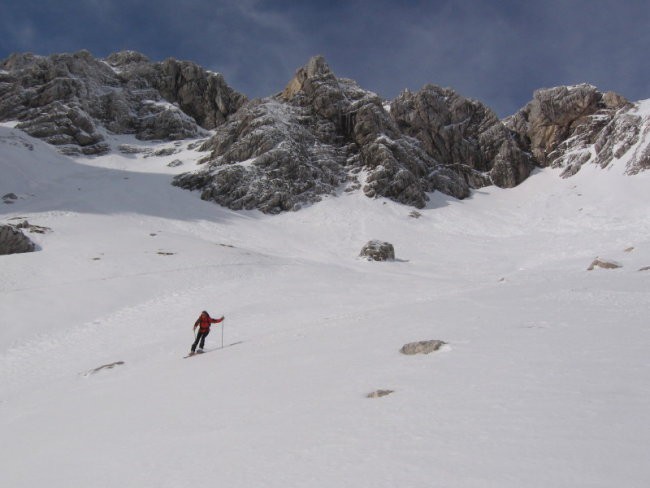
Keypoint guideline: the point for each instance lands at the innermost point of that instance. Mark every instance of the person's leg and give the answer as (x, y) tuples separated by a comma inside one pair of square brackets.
[(203, 336), (196, 341)]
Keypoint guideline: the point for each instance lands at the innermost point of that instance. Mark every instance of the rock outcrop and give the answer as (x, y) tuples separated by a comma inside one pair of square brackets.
[(567, 127), (320, 135), (604, 264), (13, 241), (69, 100), (463, 134), (321, 132), (270, 156)]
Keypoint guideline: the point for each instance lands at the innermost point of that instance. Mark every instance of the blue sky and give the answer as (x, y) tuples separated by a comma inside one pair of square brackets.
[(498, 52)]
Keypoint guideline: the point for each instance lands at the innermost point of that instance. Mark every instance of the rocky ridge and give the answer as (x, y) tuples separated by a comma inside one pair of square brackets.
[(69, 100), (319, 133), (322, 134)]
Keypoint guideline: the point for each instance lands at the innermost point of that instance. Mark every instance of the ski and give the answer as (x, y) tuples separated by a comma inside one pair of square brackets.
[(194, 354), (197, 353)]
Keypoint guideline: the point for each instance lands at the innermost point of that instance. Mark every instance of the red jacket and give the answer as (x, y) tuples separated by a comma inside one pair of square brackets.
[(204, 322)]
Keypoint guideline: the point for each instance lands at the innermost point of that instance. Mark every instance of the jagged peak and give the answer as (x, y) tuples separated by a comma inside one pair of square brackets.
[(19, 60), (122, 58), (316, 67)]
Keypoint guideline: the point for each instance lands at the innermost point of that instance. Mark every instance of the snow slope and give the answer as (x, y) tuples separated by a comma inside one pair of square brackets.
[(544, 380)]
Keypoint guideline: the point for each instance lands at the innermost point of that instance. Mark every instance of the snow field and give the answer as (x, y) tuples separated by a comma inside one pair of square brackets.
[(543, 382)]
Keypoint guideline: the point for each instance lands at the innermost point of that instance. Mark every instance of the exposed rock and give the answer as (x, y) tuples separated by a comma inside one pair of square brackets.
[(69, 99), (397, 166), (379, 393), (463, 134), (645, 268), (279, 153), (321, 135), (13, 241), (421, 347), (165, 151), (129, 149), (36, 229), (552, 115), (270, 156), (378, 251), (568, 127), (601, 263), (201, 94), (626, 136)]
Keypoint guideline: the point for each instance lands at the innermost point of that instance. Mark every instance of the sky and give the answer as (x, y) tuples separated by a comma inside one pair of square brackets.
[(498, 52)]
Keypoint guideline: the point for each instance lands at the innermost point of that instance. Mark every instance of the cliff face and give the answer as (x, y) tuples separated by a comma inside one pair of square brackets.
[(568, 127), (321, 134), (464, 134), (70, 99)]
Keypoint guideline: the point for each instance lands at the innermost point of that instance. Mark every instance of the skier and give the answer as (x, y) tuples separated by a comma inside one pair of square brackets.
[(203, 323)]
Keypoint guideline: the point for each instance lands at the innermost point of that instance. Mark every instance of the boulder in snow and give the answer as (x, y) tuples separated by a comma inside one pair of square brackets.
[(13, 241), (379, 393), (421, 347), (378, 251)]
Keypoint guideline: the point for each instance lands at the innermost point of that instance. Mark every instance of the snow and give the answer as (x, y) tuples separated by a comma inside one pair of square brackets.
[(162, 104), (643, 108), (544, 381)]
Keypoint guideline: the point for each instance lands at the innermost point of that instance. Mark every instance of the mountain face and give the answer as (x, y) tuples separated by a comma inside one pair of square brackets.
[(464, 134), (321, 134), (568, 127), (70, 99)]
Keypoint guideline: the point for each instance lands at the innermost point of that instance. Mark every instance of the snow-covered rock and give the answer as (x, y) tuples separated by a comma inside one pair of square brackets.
[(270, 156)]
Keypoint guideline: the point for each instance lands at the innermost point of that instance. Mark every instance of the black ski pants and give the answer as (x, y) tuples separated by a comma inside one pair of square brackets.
[(200, 337)]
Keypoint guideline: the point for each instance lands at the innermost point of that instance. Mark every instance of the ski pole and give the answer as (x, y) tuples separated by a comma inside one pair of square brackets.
[(223, 323)]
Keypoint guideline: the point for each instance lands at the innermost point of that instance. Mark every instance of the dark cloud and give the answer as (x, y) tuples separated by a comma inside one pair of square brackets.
[(494, 51)]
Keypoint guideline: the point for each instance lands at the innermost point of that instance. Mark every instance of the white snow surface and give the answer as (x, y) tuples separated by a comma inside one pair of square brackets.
[(544, 381)]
